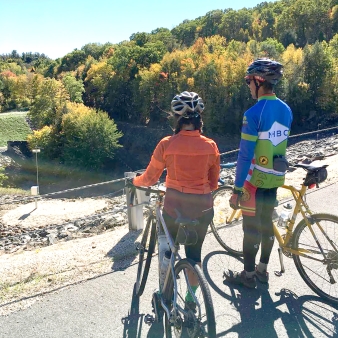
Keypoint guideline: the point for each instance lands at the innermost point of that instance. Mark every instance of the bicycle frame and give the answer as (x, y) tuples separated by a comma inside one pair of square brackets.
[(302, 208), (160, 224)]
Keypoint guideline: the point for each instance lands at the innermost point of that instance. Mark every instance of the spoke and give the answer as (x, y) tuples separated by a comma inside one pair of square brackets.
[(326, 280)]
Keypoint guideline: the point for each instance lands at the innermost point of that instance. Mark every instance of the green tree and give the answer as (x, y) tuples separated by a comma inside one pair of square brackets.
[(140, 38), (236, 25), (48, 102), (166, 37), (211, 22), (94, 50), (74, 87), (317, 67), (89, 137), (186, 33), (271, 48), (72, 60)]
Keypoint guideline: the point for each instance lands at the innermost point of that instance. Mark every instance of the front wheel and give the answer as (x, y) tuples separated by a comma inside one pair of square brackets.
[(147, 246), (189, 319), (319, 268), (228, 234)]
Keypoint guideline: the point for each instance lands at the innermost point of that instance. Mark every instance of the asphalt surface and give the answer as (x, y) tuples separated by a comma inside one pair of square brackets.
[(105, 306)]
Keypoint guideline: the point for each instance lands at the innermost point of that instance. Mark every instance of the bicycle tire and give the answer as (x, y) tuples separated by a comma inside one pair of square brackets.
[(315, 273), (147, 246), (228, 235), (193, 324)]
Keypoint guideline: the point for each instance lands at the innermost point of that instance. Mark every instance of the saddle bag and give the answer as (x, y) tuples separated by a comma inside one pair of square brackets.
[(315, 177), (187, 235)]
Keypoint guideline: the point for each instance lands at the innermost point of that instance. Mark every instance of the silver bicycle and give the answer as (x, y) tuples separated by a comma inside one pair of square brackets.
[(193, 319)]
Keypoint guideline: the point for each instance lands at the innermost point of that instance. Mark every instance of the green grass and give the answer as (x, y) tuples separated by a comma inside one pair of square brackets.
[(13, 127)]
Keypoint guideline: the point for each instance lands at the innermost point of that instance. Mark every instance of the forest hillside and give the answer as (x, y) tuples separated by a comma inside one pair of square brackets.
[(80, 99)]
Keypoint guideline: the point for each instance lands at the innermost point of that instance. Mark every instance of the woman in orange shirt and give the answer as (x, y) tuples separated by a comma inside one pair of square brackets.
[(192, 163)]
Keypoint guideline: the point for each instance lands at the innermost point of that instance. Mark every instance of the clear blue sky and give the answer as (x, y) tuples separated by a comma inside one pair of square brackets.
[(57, 27)]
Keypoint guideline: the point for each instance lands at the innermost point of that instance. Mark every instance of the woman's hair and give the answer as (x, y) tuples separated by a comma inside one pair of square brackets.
[(195, 119)]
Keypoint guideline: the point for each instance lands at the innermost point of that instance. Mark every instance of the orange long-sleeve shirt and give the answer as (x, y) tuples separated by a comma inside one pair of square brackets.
[(192, 163)]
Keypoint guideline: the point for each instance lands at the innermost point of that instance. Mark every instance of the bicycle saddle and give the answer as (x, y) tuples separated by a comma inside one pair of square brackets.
[(309, 167), (184, 220)]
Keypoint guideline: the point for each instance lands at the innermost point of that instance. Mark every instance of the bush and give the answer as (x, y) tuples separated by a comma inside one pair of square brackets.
[(47, 139), (89, 137), (3, 176)]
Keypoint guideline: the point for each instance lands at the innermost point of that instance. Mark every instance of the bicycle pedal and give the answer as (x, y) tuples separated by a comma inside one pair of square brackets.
[(149, 319)]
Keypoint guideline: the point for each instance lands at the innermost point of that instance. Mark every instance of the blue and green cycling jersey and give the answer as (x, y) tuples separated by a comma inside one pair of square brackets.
[(265, 130)]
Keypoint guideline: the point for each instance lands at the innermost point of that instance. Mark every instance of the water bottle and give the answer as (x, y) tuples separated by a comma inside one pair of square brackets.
[(284, 216), (163, 245), (164, 267)]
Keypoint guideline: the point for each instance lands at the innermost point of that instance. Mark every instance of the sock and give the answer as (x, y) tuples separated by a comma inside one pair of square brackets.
[(250, 274), (188, 297), (262, 267)]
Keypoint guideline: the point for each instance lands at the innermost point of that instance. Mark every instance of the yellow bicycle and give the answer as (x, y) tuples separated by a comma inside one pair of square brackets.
[(312, 243)]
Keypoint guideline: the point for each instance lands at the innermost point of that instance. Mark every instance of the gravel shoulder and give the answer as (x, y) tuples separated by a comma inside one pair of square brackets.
[(28, 275)]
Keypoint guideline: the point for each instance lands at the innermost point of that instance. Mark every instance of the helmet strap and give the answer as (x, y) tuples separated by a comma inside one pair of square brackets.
[(258, 85)]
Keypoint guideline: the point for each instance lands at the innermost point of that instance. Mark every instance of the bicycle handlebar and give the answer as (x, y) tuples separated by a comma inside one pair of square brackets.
[(148, 191)]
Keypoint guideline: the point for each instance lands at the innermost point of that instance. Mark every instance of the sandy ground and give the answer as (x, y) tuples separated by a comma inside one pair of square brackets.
[(52, 212), (33, 273)]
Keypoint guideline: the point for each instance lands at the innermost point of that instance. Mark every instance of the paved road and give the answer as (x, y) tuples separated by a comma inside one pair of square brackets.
[(105, 306)]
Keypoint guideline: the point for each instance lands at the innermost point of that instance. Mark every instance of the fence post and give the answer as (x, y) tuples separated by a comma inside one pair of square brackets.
[(135, 213)]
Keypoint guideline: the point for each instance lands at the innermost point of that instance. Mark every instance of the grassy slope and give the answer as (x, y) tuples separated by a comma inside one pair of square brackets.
[(13, 127)]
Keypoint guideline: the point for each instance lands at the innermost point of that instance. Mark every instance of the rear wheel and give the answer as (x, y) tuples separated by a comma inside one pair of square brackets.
[(319, 268), (146, 248), (189, 319), (228, 234)]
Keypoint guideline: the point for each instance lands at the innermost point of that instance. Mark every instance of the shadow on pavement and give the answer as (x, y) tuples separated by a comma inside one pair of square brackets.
[(134, 322), (124, 252), (258, 312)]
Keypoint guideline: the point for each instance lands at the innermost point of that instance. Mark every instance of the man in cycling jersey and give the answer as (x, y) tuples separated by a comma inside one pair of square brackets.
[(260, 169), (193, 164)]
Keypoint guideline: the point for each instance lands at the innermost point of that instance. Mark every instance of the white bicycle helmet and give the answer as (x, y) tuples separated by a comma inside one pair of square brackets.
[(187, 103)]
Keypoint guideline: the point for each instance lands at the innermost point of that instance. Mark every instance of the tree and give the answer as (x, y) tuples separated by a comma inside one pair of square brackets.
[(72, 60), (48, 102), (211, 22), (166, 37), (186, 32), (140, 38), (271, 48), (334, 19), (236, 25), (89, 137), (97, 81), (74, 88), (93, 49), (317, 67)]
